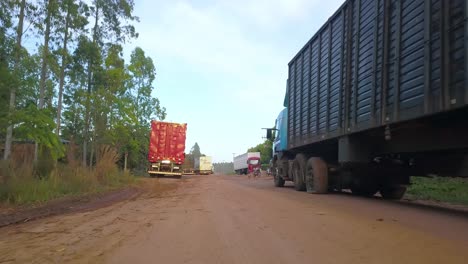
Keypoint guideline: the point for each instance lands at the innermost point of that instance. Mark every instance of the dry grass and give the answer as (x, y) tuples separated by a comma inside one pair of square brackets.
[(20, 183), (107, 158)]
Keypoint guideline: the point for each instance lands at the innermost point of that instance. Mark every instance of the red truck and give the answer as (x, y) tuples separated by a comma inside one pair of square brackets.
[(166, 149)]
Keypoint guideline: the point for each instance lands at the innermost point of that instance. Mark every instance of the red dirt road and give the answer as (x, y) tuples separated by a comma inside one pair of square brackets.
[(231, 219)]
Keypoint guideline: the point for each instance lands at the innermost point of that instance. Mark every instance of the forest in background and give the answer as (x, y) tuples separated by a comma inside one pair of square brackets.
[(73, 84), (68, 97)]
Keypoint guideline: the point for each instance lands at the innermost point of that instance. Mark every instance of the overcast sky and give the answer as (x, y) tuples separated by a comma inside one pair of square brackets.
[(222, 65)]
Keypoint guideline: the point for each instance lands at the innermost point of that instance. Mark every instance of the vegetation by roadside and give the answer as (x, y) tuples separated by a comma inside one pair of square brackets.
[(25, 184), (65, 77), (265, 149), (441, 189), (224, 168)]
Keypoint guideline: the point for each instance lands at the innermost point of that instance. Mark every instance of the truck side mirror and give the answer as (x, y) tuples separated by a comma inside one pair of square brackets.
[(269, 134)]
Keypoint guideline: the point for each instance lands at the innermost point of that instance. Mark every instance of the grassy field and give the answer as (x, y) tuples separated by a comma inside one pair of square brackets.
[(22, 183), (442, 189)]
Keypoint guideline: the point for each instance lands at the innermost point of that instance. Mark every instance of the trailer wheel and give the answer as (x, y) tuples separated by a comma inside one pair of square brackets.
[(279, 182), (393, 192), (367, 192), (298, 172), (283, 168), (364, 185), (316, 176)]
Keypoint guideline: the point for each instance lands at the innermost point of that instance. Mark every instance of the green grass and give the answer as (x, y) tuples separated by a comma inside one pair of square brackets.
[(21, 190), (442, 189)]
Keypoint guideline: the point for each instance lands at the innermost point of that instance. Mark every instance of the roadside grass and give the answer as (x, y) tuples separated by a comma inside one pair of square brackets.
[(441, 189), (21, 183)]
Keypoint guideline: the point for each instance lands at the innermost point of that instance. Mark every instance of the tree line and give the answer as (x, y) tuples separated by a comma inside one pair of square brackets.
[(192, 156), (74, 85), (224, 167), (265, 149)]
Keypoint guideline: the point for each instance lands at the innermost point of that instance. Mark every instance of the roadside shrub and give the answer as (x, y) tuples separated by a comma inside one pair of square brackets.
[(443, 189), (20, 186), (106, 160), (44, 165)]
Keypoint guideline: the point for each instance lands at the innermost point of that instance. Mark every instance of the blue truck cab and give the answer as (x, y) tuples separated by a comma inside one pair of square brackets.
[(280, 142)]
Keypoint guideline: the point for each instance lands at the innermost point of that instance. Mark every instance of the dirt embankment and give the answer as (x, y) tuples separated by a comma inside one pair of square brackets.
[(13, 215), (85, 229), (21, 214)]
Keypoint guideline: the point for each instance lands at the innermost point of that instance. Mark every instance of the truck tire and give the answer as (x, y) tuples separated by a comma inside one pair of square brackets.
[(393, 192), (366, 192), (283, 168), (363, 185), (279, 182), (316, 176), (298, 172)]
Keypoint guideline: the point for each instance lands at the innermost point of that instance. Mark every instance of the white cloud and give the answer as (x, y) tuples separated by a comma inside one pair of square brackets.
[(206, 39), (271, 13)]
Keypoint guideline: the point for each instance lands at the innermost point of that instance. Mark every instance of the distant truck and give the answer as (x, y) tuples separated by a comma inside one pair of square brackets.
[(247, 162), (204, 165), (378, 94), (166, 149), (188, 167)]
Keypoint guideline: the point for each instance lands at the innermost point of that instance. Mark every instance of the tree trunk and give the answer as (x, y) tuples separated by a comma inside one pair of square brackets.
[(125, 161), (85, 149), (45, 57), (91, 155), (19, 35), (95, 149), (87, 112), (62, 72), (87, 116)]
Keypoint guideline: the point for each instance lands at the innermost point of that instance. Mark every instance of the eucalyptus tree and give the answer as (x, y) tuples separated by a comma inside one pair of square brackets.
[(74, 14), (112, 24), (16, 56)]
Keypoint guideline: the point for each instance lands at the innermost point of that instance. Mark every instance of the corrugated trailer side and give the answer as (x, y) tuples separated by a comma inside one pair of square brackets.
[(377, 63), (380, 93)]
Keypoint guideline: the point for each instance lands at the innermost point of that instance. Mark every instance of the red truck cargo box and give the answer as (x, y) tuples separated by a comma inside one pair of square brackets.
[(167, 142)]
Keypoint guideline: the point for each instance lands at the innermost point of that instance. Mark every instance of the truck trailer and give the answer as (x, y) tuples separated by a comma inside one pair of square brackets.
[(203, 165), (247, 162), (166, 149), (377, 95)]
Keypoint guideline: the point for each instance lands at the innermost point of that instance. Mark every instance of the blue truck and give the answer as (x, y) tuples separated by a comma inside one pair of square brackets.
[(378, 94)]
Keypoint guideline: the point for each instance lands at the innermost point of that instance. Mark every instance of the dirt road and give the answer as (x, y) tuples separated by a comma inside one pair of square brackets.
[(231, 219)]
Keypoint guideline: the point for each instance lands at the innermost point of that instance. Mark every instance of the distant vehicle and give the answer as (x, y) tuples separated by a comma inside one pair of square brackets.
[(378, 94), (203, 165), (188, 167), (247, 162), (257, 172), (166, 149)]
